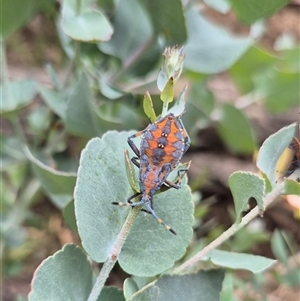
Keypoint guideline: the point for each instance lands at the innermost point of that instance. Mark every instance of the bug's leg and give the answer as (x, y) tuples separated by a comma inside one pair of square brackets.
[(159, 219), (132, 144), (187, 140), (132, 205), (135, 162), (128, 203), (180, 175)]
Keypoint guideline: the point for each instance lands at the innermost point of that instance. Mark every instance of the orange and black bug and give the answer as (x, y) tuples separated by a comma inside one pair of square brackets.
[(295, 163), (163, 144)]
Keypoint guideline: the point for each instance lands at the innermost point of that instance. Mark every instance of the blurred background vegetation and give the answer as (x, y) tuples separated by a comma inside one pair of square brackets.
[(72, 70)]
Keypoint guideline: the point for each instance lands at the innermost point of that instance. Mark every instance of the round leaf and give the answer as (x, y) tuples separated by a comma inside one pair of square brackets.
[(210, 49), (66, 275), (102, 179), (86, 25), (244, 185), (200, 286)]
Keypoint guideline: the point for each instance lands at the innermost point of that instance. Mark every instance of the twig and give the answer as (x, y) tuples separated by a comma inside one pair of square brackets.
[(113, 256), (235, 227)]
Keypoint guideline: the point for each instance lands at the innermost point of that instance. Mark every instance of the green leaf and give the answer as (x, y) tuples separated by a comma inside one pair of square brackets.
[(86, 25), (250, 11), (69, 216), (279, 91), (167, 94), (255, 61), (130, 32), (57, 185), (111, 293), (131, 176), (81, 117), (17, 94), (39, 120), (289, 60), (291, 187), (130, 287), (67, 275), (199, 105), (243, 186), (148, 107), (227, 288), (252, 263), (235, 130), (200, 286), (170, 23), (107, 90), (11, 153), (279, 247), (102, 179), (56, 100), (211, 55), (272, 149), (14, 14)]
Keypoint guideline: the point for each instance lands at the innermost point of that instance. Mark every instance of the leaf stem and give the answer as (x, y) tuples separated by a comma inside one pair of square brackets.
[(235, 227), (114, 253), (164, 108)]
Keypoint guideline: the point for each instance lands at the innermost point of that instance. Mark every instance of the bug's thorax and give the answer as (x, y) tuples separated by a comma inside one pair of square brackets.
[(163, 142)]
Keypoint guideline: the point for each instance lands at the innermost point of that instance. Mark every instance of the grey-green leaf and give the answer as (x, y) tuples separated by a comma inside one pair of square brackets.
[(170, 23), (17, 94), (201, 286), (111, 293), (85, 24), (210, 49), (81, 117), (130, 32), (57, 185), (252, 263), (244, 185), (66, 275), (279, 247), (251, 11), (102, 179), (272, 149), (235, 130), (15, 14)]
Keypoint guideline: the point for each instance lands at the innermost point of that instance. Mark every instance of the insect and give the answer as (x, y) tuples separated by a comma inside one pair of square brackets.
[(295, 162), (163, 143)]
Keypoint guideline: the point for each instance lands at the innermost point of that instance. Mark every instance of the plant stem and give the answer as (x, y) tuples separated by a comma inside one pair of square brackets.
[(113, 256), (7, 93), (235, 227), (78, 6)]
